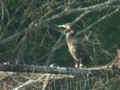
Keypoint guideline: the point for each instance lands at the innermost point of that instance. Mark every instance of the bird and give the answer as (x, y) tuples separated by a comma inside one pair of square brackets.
[(77, 49)]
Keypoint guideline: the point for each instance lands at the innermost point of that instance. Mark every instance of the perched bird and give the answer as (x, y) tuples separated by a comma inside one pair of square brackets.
[(77, 49)]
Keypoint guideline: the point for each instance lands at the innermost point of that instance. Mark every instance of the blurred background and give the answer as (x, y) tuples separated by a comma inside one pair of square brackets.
[(28, 35)]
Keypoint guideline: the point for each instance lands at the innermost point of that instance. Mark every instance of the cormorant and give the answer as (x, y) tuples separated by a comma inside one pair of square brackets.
[(78, 50)]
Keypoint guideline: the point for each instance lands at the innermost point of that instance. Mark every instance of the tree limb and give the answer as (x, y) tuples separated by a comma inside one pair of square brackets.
[(94, 71)]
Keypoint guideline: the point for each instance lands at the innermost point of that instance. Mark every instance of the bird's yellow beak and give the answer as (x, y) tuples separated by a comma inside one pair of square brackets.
[(66, 27)]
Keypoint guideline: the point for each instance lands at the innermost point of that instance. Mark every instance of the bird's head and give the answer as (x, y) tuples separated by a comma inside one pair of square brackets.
[(65, 26), (67, 29)]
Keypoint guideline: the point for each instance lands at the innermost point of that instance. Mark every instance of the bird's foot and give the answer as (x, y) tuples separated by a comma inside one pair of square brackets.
[(77, 65), (81, 65)]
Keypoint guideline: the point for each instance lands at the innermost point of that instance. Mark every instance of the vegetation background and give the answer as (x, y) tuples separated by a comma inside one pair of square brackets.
[(28, 36)]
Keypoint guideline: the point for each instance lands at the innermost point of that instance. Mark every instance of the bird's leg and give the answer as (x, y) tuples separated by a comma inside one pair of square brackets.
[(76, 64), (80, 64)]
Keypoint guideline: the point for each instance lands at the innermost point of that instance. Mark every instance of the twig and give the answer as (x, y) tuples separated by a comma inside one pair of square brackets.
[(53, 49), (42, 78), (91, 8), (98, 21), (46, 82), (95, 7), (79, 17), (27, 83)]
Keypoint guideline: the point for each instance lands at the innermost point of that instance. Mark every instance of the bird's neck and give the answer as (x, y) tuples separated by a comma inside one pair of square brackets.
[(69, 36)]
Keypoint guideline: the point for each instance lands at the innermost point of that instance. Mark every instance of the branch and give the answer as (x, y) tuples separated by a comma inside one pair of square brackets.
[(79, 9), (95, 71), (43, 78), (98, 21)]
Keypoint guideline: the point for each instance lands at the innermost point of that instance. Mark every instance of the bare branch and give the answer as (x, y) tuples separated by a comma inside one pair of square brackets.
[(79, 17), (95, 7), (79, 9), (98, 21), (95, 71)]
